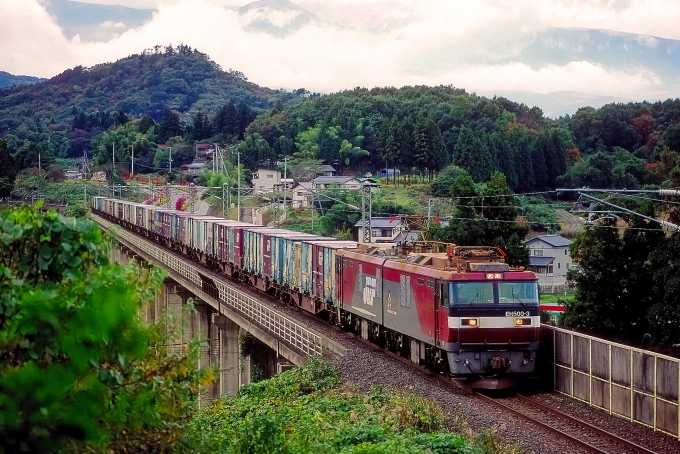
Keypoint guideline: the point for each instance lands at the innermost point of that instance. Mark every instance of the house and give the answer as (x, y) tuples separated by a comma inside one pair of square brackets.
[(321, 170), (194, 168), (302, 195), (205, 150), (549, 258), (383, 230), (340, 182), (264, 180), (388, 173), (74, 175)]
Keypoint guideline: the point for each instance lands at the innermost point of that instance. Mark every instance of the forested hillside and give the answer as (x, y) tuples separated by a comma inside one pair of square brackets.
[(423, 129), (418, 129), (7, 79), (178, 96), (65, 113)]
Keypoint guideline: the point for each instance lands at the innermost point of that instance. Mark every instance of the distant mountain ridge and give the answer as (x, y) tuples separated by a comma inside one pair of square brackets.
[(278, 18), (8, 80), (95, 22), (176, 78)]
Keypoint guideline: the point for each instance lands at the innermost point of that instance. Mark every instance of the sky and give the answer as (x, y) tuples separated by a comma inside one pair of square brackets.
[(478, 45)]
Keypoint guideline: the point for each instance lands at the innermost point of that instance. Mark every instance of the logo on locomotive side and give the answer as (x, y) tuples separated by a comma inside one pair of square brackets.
[(369, 290), (517, 313)]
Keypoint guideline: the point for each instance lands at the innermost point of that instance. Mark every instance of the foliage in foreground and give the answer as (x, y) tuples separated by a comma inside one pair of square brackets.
[(307, 410), (78, 369)]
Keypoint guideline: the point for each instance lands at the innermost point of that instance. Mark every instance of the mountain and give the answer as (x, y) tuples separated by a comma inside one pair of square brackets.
[(177, 78), (278, 18), (7, 79), (95, 22)]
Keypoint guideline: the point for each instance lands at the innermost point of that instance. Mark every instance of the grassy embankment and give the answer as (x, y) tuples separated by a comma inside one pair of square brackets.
[(309, 410)]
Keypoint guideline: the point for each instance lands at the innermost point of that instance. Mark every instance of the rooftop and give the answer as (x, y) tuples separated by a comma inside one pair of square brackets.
[(540, 261), (553, 240), (380, 223), (332, 180)]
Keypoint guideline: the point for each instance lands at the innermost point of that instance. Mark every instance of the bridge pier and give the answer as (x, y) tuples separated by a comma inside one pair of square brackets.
[(229, 378), (218, 334)]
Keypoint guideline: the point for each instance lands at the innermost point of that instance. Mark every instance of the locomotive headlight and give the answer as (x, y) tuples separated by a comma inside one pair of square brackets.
[(469, 322), (522, 321)]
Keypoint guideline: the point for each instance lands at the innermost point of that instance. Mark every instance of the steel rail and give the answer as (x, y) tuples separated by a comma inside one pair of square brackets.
[(603, 433), (562, 416)]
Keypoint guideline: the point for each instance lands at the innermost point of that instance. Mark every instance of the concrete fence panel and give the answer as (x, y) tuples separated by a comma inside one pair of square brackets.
[(635, 384)]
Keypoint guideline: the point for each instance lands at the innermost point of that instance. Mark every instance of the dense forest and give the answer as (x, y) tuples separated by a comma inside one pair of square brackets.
[(177, 96), (65, 113)]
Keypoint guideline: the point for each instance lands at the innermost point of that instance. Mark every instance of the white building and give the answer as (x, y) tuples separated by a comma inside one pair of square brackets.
[(302, 195), (264, 180), (383, 230), (549, 258)]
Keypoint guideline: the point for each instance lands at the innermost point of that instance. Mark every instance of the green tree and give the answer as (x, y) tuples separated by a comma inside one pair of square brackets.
[(639, 242), (31, 155), (391, 143), (76, 366), (598, 279), (7, 171), (169, 126), (442, 185), (664, 314), (500, 211)]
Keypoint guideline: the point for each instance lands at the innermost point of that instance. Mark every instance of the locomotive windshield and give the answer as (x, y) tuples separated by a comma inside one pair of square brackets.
[(466, 293)]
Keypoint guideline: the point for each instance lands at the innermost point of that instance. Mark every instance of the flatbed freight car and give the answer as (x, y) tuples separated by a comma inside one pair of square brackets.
[(461, 311)]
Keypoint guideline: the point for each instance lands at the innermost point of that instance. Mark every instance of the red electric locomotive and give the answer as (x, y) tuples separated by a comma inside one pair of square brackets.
[(464, 312)]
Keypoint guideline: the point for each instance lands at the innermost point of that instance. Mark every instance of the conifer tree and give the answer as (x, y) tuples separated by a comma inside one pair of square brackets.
[(7, 171), (598, 279)]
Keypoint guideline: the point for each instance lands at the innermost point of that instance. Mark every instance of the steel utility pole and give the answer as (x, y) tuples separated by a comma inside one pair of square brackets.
[(113, 157), (285, 184), (224, 200), (238, 187), (170, 161), (366, 212), (132, 160)]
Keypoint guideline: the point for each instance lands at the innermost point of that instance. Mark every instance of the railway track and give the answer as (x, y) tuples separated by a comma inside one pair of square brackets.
[(584, 435)]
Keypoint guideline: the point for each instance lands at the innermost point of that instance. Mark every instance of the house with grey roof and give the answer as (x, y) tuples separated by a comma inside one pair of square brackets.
[(549, 258), (302, 195), (341, 182), (383, 230)]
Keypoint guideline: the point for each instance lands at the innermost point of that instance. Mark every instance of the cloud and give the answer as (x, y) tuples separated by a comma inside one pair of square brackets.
[(473, 45)]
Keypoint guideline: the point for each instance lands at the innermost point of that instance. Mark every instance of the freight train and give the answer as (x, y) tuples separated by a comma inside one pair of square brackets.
[(463, 312)]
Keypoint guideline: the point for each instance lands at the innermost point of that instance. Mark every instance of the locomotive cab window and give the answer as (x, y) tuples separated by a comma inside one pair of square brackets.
[(517, 292), (472, 293)]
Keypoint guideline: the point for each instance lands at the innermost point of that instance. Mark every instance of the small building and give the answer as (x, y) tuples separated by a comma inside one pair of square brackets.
[(383, 230), (74, 175), (195, 168), (323, 170), (341, 182), (549, 258), (264, 180), (388, 173), (205, 150), (302, 195)]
